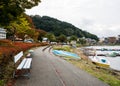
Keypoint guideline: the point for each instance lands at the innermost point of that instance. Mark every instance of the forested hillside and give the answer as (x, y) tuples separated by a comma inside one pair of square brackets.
[(58, 27)]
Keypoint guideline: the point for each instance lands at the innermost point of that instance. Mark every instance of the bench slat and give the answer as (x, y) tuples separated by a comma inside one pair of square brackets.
[(27, 63), (18, 56), (22, 64)]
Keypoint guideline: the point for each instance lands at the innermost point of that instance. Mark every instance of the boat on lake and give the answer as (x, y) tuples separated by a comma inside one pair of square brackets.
[(106, 53), (112, 54), (100, 61)]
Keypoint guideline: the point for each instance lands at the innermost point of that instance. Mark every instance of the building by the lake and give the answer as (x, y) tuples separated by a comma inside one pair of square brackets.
[(110, 40), (2, 33)]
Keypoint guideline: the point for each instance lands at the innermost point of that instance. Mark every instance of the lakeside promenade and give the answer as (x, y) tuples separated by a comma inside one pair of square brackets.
[(49, 70)]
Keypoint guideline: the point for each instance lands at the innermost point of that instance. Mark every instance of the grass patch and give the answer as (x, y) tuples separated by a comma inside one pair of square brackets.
[(61, 47)]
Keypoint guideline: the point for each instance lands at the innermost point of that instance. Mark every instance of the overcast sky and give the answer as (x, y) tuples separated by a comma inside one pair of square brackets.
[(100, 17)]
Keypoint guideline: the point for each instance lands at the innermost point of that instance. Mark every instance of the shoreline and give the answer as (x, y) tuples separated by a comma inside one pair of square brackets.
[(106, 75)]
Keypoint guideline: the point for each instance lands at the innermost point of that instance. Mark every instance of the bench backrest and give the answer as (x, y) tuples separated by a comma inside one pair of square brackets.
[(18, 56)]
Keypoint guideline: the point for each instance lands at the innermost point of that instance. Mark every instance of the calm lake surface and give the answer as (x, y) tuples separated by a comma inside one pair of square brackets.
[(114, 61)]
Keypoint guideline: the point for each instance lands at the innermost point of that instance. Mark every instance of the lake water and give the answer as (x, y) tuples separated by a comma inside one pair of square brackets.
[(114, 61)]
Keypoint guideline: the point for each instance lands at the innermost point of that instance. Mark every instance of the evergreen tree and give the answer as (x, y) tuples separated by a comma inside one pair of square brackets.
[(62, 38), (51, 37)]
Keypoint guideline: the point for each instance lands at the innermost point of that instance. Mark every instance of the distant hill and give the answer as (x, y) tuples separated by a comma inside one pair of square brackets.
[(58, 27)]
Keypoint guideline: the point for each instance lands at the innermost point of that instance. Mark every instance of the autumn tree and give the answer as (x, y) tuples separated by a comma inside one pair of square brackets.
[(20, 28), (11, 9), (29, 19), (42, 34)]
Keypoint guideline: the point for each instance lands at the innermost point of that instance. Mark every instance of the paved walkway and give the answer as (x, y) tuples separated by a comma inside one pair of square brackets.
[(50, 70)]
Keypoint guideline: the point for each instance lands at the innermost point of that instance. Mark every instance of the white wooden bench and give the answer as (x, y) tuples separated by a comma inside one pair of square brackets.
[(23, 69)]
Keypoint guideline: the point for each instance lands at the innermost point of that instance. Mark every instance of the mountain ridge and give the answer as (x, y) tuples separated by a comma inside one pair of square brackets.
[(58, 27)]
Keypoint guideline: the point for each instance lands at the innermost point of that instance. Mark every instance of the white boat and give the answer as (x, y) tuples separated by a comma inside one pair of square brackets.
[(100, 61)]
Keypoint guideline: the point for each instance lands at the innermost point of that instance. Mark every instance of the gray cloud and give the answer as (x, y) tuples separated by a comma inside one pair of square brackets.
[(100, 17)]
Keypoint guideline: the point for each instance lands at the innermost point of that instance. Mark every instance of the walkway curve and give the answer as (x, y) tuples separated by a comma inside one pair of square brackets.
[(50, 70)]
